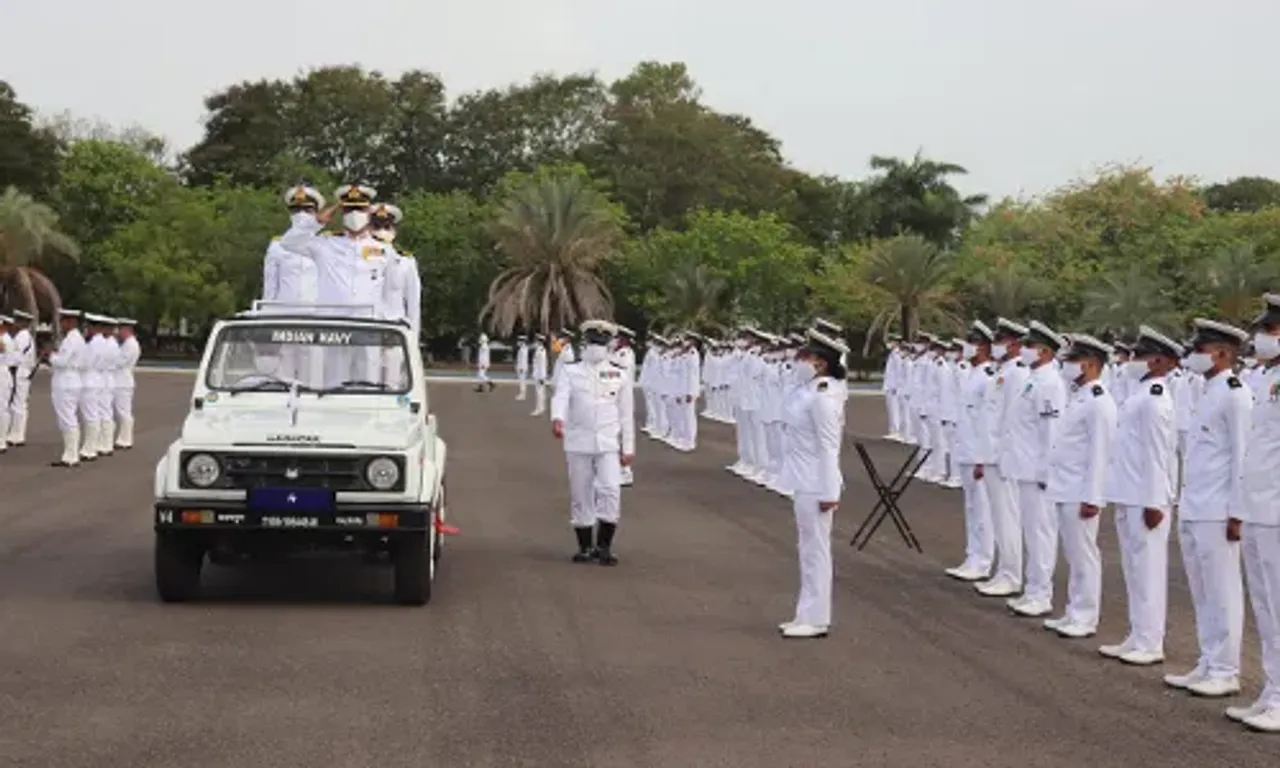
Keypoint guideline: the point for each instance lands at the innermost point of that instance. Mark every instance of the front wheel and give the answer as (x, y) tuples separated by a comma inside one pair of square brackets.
[(178, 562), (414, 569), (441, 516)]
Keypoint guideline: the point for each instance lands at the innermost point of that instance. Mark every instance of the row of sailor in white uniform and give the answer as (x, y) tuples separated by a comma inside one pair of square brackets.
[(1041, 448), (92, 386), (18, 360), (358, 271)]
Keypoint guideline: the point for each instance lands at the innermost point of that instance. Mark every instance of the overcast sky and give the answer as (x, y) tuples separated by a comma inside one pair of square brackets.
[(1026, 94)]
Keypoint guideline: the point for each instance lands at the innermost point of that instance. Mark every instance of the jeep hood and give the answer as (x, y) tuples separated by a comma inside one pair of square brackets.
[(340, 421)]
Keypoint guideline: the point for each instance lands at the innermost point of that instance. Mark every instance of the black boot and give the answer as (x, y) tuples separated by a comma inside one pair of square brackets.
[(586, 552), (604, 544)]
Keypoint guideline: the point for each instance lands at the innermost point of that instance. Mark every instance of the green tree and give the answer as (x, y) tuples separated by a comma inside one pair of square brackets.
[(1245, 194), (1121, 300), (916, 196), (1235, 275), (28, 153), (555, 235), (694, 299), (914, 276), (29, 236)]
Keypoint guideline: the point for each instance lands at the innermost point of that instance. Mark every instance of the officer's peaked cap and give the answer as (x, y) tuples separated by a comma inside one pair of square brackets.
[(1006, 328), (302, 196), (1211, 331), (1152, 342), (1271, 312), (1084, 345), (1041, 334), (980, 332)]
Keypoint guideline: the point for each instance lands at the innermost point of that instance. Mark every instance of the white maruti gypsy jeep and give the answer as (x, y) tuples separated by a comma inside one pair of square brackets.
[(307, 433)]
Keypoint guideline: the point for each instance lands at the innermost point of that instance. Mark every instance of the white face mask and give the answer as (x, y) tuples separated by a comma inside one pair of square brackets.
[(968, 351), (1266, 346), (1136, 369), (953, 357), (385, 235), (999, 351), (804, 370), (355, 221), (1028, 355), (595, 353), (301, 217), (1199, 362), (1072, 370)]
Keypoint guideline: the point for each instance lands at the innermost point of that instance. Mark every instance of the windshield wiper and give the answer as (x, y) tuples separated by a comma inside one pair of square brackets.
[(269, 383), (354, 383)]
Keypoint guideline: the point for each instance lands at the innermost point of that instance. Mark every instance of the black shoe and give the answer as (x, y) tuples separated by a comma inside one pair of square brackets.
[(491, 386), (586, 550), (604, 544)]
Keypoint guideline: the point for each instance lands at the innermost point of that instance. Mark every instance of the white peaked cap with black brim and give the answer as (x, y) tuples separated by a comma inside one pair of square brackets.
[(386, 211), (22, 315), (64, 312), (355, 195), (1270, 312), (599, 326), (625, 331), (980, 332), (1152, 342), (1084, 345), (1008, 328), (1039, 333), (826, 326), (1213, 331), (302, 196)]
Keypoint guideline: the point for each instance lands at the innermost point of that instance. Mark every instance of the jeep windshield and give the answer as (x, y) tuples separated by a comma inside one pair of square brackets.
[(319, 357)]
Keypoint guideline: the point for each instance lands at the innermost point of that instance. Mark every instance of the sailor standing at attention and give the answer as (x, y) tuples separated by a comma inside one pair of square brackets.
[(1211, 508), (889, 386), (1141, 484), (1078, 465), (623, 356), (287, 277), (972, 447), (1260, 532), (110, 361), (92, 383), (122, 392), (539, 374), (483, 384), (68, 364), (522, 366), (814, 415), (592, 413), (19, 402), (8, 365)]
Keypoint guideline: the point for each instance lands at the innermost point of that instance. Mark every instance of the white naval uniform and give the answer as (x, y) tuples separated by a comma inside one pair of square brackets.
[(1006, 516), (401, 301), (595, 403), (1260, 537), (522, 368), (122, 392), (288, 277), (19, 401), (1032, 417), (539, 378), (93, 385), (1143, 475), (972, 447), (814, 415), (482, 360), (8, 369), (64, 389), (111, 360), (1212, 492), (625, 358), (563, 358), (645, 382), (689, 372), (889, 385), (955, 374), (1078, 465)]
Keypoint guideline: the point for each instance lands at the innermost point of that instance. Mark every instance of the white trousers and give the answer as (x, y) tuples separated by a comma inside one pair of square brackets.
[(910, 422), (936, 464), (539, 397), (1144, 559), (813, 545), (1217, 594), (979, 543), (758, 459), (1006, 519), (773, 446), (741, 437), (523, 378), (1084, 581), (595, 488), (482, 374), (66, 403), (19, 401), (1040, 534), (6, 395), (1260, 548), (689, 415), (893, 405)]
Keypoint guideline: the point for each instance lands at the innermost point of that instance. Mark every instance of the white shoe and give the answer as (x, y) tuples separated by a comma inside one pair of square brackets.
[(1240, 714), (1215, 687), (1139, 658), (998, 587), (1116, 651), (952, 482), (1193, 677), (1030, 607), (967, 572), (804, 631), (1076, 631), (1054, 625), (784, 626), (1267, 721)]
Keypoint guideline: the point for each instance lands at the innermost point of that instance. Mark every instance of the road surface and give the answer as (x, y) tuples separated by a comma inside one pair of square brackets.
[(524, 659)]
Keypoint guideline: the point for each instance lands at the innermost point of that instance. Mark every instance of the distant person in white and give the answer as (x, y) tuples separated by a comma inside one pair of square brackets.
[(483, 384), (522, 366)]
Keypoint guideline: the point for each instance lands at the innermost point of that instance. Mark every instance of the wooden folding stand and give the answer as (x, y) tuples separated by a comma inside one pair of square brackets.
[(889, 494)]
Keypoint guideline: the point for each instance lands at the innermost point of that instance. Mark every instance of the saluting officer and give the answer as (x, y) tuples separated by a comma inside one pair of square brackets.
[(287, 277), (814, 415), (1141, 485), (1260, 534), (1078, 462), (1211, 508), (592, 411)]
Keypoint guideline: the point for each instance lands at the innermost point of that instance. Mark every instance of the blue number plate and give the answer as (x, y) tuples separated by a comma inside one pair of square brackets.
[(312, 500)]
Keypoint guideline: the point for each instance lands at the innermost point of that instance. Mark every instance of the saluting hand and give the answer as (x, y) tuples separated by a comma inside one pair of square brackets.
[(326, 215), (1088, 511)]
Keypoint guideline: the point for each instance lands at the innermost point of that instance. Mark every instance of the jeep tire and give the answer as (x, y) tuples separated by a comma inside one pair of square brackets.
[(178, 562), (413, 567)]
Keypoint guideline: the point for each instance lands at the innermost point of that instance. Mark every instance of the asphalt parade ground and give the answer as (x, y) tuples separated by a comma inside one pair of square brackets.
[(525, 659)]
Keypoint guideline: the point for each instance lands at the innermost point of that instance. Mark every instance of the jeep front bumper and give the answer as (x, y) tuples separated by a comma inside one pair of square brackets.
[(348, 517)]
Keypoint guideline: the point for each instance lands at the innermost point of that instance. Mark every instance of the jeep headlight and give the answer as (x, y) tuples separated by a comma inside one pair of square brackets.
[(202, 470), (383, 473)]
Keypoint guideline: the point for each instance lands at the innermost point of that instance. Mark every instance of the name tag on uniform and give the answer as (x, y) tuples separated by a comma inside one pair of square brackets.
[(370, 252), (610, 375)]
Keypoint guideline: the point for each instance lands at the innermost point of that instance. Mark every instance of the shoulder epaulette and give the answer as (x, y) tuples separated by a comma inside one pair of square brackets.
[(989, 370), (822, 386), (405, 254), (1157, 389), (1020, 364), (616, 364), (1097, 390), (1234, 383), (276, 239)]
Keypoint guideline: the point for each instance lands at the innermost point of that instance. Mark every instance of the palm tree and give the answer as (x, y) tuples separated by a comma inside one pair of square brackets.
[(1009, 291), (916, 196), (1235, 277), (555, 233), (694, 298), (29, 233), (912, 273), (1120, 301)]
